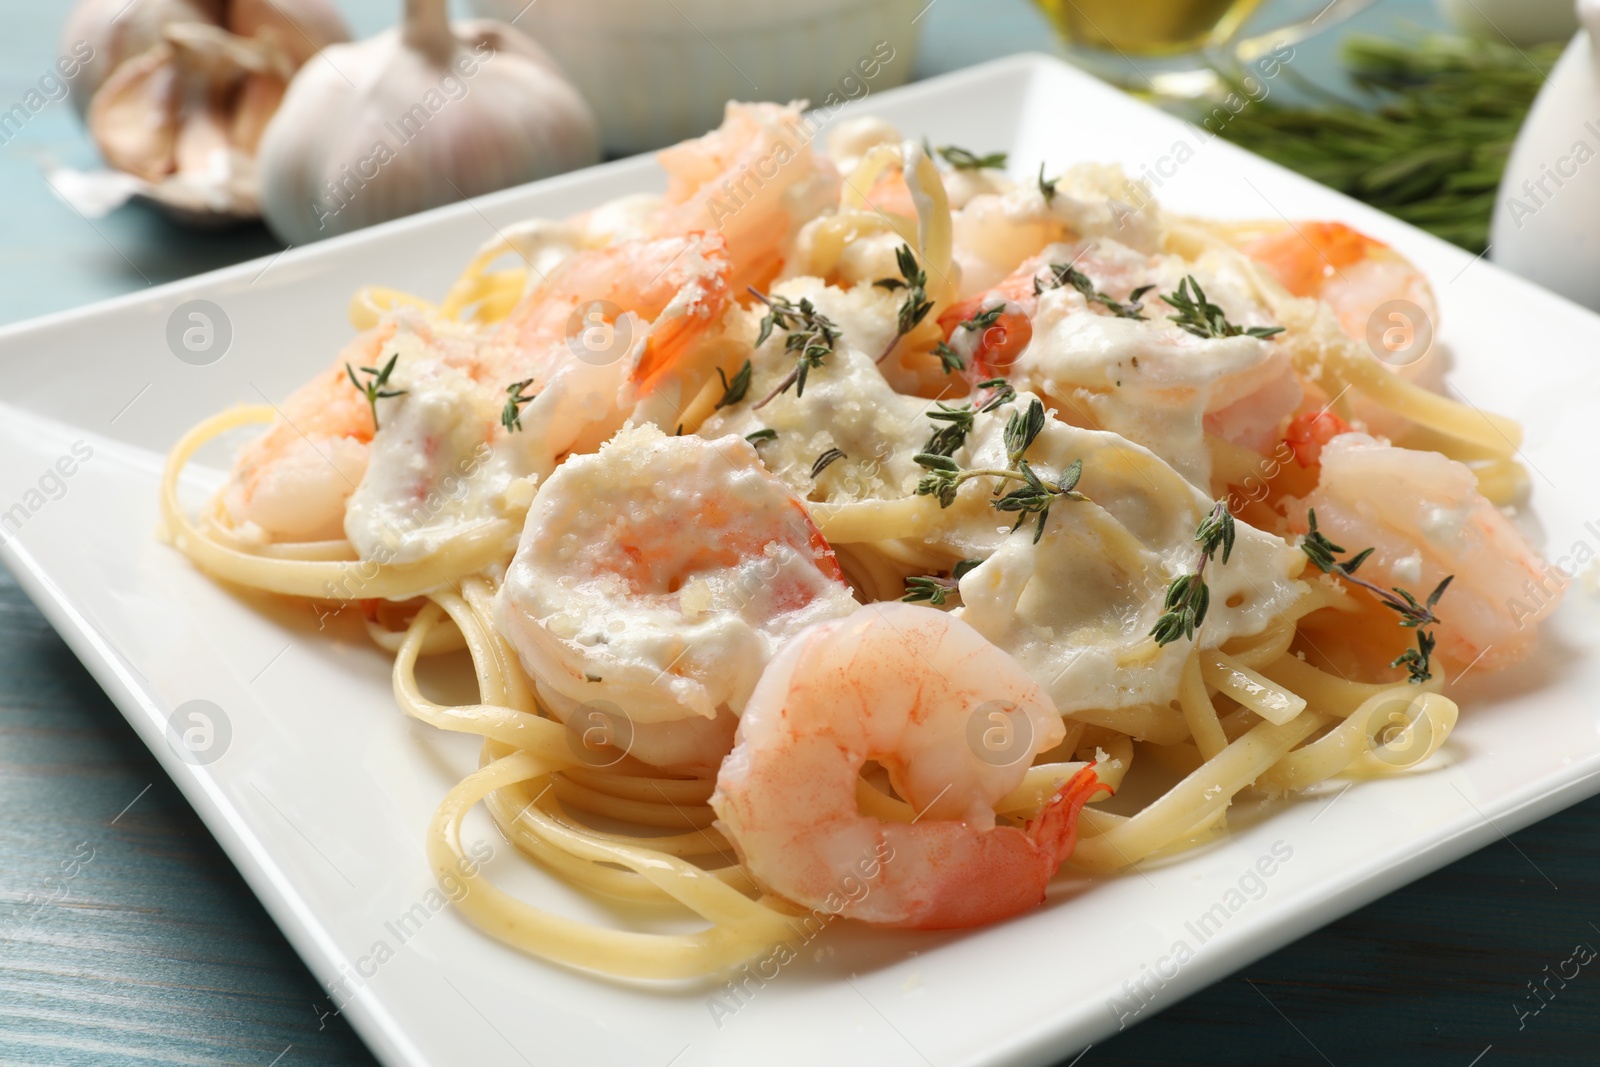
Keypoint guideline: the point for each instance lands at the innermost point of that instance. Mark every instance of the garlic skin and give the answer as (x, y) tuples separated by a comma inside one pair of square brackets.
[(418, 116), (118, 30), (177, 93), (301, 28)]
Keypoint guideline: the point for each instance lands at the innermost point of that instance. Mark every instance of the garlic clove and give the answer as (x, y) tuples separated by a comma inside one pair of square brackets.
[(134, 118), (113, 31), (413, 118), (202, 145), (258, 100), (302, 28)]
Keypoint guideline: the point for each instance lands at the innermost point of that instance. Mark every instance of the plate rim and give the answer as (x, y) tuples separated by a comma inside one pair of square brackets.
[(309, 934)]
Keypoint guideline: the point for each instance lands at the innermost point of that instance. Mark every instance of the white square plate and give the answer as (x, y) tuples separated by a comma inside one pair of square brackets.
[(322, 789)]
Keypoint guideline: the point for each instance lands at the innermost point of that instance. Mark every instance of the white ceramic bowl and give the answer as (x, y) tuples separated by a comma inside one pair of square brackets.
[(658, 71)]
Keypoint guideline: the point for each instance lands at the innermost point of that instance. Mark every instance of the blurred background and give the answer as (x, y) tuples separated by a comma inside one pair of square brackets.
[(1388, 101), (1411, 105)]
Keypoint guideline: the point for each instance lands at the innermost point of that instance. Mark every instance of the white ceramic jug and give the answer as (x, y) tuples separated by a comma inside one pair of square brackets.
[(1546, 223)]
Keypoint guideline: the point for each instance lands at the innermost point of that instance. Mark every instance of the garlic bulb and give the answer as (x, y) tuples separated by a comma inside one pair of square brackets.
[(177, 93), (117, 30), (418, 116)]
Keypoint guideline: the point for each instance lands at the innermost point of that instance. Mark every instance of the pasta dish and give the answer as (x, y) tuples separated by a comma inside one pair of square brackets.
[(835, 534)]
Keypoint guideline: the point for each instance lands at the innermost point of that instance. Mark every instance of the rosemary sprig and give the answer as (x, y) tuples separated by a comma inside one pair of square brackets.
[(962, 159), (1047, 189), (1201, 317), (1061, 274), (953, 434), (766, 433), (1414, 614), (1188, 597), (1033, 498), (824, 460), (511, 414), (811, 336), (916, 306), (936, 590), (734, 390), (375, 388), (1428, 138)]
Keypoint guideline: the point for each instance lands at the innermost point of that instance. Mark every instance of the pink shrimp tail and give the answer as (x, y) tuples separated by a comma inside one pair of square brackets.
[(1056, 828), (1002, 872)]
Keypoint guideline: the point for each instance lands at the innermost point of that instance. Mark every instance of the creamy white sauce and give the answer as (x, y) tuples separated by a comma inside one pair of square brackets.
[(1075, 609), (1147, 379), (439, 465), (663, 573)]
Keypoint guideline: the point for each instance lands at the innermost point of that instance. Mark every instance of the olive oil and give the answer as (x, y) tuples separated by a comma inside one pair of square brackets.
[(1147, 27)]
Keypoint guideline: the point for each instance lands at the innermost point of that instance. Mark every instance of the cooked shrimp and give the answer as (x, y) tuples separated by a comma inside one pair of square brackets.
[(847, 404), (662, 573), (1424, 518), (898, 684), (998, 229), (672, 289), (1347, 270), (755, 180), (1141, 377), (608, 335), (1356, 276), (292, 484)]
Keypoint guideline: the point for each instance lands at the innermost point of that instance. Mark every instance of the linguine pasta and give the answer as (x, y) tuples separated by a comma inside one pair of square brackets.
[(1127, 463)]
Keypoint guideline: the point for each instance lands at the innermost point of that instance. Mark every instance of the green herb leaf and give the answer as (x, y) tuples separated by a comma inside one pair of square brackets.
[(962, 159), (734, 391), (809, 335), (824, 460), (1201, 317), (375, 388), (1414, 614), (946, 439), (916, 306), (1188, 597)]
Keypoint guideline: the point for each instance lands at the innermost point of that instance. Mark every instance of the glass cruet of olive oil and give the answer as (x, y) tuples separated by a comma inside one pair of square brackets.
[(1174, 48)]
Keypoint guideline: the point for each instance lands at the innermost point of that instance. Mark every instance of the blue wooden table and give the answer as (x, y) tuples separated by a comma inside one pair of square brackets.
[(126, 937)]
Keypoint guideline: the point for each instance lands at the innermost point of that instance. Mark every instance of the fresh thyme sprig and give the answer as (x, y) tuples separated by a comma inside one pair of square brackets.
[(511, 414), (1414, 614), (1047, 189), (983, 319), (824, 460), (1202, 318), (811, 336), (1033, 498), (949, 357), (1061, 274), (963, 159), (953, 434), (936, 590), (1003, 394), (1022, 429), (734, 389), (375, 388), (916, 306), (1188, 597)]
